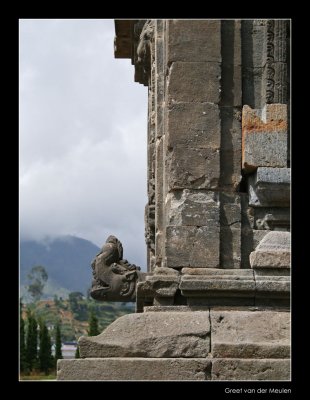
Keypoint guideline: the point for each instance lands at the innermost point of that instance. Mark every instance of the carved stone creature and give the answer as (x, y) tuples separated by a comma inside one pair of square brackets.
[(114, 279), (144, 46)]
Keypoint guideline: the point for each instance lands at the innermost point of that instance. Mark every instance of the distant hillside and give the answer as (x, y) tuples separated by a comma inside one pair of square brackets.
[(66, 259), (74, 315)]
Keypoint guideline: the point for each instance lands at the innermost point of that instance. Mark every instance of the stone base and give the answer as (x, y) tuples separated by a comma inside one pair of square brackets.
[(237, 369), (210, 344), (173, 369), (134, 369)]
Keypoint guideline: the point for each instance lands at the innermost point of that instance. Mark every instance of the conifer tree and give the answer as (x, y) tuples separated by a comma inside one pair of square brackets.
[(77, 352), (22, 347), (45, 351), (93, 329), (31, 341), (58, 352)]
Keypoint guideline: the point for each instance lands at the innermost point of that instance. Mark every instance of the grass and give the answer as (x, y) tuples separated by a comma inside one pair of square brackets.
[(35, 376)]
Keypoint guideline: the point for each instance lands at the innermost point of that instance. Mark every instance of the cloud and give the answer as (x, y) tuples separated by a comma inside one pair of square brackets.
[(83, 125)]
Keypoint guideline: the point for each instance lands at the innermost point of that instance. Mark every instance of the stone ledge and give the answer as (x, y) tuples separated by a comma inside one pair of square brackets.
[(250, 334), (160, 334), (273, 251), (134, 369), (270, 187), (236, 369), (173, 369)]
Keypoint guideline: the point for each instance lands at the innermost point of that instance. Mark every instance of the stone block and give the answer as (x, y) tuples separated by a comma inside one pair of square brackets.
[(193, 125), (231, 85), (274, 251), (193, 168), (192, 208), (230, 175), (226, 287), (230, 147), (270, 187), (218, 273), (230, 159), (247, 213), (230, 247), (191, 246), (235, 369), (193, 40), (272, 218), (272, 287), (231, 42), (253, 43), (250, 238), (264, 149), (231, 130), (159, 286), (264, 137), (134, 369), (219, 287), (230, 210), (196, 82), (252, 93), (231, 79), (250, 334), (160, 334)]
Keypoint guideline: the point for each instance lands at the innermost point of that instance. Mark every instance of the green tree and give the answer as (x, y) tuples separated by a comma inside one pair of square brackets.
[(58, 352), (37, 278), (77, 352), (45, 351), (93, 325), (22, 347), (31, 341)]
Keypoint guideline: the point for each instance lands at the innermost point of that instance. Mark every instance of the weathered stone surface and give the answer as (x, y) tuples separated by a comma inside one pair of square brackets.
[(221, 286), (193, 208), (230, 146), (194, 82), (164, 271), (250, 238), (230, 235), (166, 334), (272, 218), (250, 334), (193, 168), (252, 91), (164, 283), (187, 40), (231, 130), (134, 369), (235, 369), (218, 287), (271, 259), (254, 39), (264, 137), (230, 209), (194, 125), (230, 176), (271, 272), (191, 246), (230, 247), (231, 80), (272, 286), (270, 187), (265, 149), (273, 251), (218, 272)]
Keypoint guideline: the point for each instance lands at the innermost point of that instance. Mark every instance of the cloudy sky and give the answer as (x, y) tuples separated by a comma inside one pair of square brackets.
[(82, 135)]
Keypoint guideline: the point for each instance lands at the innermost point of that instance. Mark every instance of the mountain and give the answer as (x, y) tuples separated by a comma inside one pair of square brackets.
[(67, 260)]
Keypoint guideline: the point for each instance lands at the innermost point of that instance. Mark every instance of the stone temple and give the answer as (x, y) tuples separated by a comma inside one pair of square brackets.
[(215, 302)]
